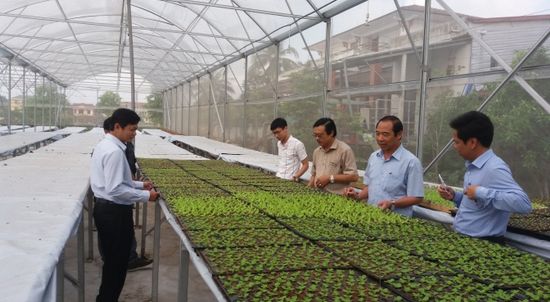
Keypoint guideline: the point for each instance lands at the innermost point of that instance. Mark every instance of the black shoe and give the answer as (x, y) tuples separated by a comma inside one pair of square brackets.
[(138, 263)]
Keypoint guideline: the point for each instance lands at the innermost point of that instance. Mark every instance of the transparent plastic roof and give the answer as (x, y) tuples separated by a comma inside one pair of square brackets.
[(78, 42)]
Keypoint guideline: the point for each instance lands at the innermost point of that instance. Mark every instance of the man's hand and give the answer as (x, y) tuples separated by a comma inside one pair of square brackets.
[(446, 192), (350, 192), (471, 192), (153, 195), (147, 185), (384, 204), (322, 181)]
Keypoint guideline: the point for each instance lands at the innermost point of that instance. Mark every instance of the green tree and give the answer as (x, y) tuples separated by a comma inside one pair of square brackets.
[(108, 102), (49, 104), (154, 107)]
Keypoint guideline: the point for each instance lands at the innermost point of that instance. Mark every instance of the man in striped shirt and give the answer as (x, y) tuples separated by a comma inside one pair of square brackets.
[(292, 152)]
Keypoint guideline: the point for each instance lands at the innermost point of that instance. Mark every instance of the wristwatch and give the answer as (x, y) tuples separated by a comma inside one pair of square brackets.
[(332, 179), (392, 207)]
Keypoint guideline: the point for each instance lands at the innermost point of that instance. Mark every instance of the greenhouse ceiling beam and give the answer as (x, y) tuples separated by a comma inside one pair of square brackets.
[(100, 56), (190, 27), (314, 8), (239, 8), (236, 56), (121, 44), (267, 35), (105, 64), (22, 61), (116, 26), (532, 92), (72, 31), (115, 44), (511, 74)]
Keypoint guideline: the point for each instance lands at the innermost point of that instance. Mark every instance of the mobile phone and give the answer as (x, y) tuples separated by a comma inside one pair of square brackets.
[(443, 184)]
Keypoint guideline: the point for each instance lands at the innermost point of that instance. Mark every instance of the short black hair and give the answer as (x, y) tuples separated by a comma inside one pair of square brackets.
[(330, 126), (107, 124), (124, 117), (397, 124), (474, 124), (278, 123)]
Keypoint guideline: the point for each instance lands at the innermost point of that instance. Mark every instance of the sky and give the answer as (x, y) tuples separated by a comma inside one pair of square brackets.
[(375, 9)]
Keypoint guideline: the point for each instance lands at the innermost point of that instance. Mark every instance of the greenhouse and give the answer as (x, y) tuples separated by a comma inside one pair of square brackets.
[(208, 80)]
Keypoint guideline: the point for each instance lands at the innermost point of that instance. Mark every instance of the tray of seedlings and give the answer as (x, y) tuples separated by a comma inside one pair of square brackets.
[(382, 261), (307, 286), (315, 228), (506, 272), (264, 259)]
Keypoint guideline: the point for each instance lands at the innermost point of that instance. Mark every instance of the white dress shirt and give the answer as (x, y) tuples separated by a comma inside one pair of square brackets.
[(291, 154), (110, 174)]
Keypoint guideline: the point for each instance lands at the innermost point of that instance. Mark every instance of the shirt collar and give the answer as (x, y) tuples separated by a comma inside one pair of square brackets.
[(115, 140), (481, 160), (287, 141), (396, 154)]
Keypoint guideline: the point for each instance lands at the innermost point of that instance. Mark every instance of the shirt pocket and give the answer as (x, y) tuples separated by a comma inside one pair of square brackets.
[(393, 181)]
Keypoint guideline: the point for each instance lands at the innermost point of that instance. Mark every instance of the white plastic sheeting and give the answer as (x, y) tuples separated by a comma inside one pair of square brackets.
[(10, 143), (149, 146), (157, 132), (40, 206)]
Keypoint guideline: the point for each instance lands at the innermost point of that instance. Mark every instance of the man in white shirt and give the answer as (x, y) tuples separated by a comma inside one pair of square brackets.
[(115, 193), (293, 161)]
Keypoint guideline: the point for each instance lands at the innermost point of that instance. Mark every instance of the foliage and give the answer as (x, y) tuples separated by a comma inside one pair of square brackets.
[(518, 121), (265, 243), (48, 103), (108, 102), (154, 104), (272, 258)]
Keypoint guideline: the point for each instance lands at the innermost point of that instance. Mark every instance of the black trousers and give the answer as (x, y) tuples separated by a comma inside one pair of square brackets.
[(115, 230)]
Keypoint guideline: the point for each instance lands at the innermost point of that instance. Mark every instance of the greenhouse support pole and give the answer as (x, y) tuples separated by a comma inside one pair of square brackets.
[(245, 99), (131, 51), (9, 97), (404, 23), (276, 92), (189, 112), (183, 274), (35, 100), (156, 254), (24, 96), (424, 79), (60, 278), (532, 92), (80, 259), (328, 67), (43, 99), (58, 109), (216, 107), (90, 202), (143, 229), (346, 82), (224, 104), (495, 91), (50, 108)]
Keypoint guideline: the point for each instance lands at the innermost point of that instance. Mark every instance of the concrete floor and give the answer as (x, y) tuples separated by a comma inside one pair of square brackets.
[(138, 283)]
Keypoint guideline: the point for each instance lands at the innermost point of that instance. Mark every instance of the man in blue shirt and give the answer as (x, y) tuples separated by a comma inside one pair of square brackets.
[(490, 192), (393, 178), (115, 192)]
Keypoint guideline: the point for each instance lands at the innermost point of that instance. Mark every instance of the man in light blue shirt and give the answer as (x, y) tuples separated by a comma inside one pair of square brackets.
[(393, 178), (490, 192), (115, 193)]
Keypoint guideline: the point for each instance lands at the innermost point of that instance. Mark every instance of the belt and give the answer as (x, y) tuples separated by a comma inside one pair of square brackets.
[(104, 201)]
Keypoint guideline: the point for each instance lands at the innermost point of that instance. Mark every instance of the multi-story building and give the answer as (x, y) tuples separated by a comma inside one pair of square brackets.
[(375, 69)]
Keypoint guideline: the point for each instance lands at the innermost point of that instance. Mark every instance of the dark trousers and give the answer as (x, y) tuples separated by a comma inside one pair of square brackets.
[(115, 230)]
